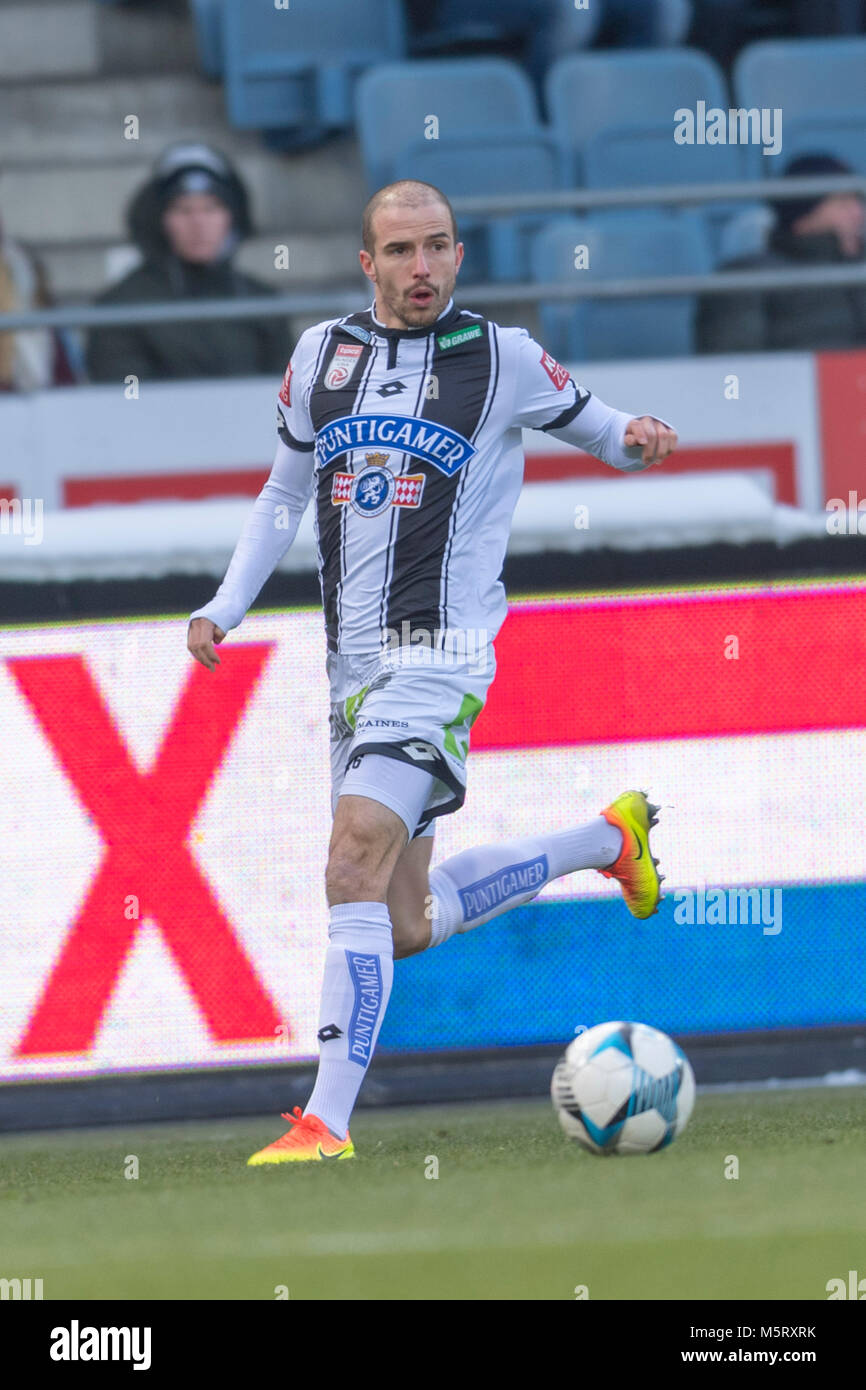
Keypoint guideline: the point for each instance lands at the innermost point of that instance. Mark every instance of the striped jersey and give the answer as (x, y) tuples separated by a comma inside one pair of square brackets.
[(415, 456)]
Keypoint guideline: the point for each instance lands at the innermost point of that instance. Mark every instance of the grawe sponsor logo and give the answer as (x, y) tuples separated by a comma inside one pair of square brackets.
[(77, 1343)]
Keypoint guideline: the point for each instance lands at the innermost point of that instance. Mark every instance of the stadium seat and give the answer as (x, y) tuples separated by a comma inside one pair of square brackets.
[(803, 76), (590, 92), (208, 20), (527, 162), (842, 134), (296, 67), (397, 103), (641, 155), (807, 79), (621, 245)]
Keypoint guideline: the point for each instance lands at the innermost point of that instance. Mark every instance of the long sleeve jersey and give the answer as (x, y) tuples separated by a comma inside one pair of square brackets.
[(409, 443)]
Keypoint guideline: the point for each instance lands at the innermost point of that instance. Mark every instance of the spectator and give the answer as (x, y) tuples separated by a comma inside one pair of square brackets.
[(37, 358), (809, 232), (187, 222)]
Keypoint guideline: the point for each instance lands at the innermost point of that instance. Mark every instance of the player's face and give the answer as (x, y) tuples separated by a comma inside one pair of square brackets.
[(414, 265)]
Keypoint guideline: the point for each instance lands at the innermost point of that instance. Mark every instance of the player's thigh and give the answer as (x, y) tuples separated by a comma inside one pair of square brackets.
[(409, 897), (366, 841)]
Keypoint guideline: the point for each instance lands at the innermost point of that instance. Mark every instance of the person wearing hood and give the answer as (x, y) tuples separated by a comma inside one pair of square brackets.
[(187, 222), (809, 232)]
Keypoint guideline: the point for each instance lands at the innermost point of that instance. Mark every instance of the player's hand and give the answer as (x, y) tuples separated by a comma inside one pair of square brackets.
[(658, 440), (200, 641)]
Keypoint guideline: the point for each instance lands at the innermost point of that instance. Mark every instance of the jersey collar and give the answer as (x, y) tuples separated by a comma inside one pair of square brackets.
[(449, 316)]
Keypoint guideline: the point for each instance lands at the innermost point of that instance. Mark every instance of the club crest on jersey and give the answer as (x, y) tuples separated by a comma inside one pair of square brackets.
[(375, 488), (429, 440), (343, 364)]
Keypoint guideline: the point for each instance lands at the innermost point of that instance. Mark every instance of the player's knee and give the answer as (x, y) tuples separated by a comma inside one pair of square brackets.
[(359, 867), (349, 878)]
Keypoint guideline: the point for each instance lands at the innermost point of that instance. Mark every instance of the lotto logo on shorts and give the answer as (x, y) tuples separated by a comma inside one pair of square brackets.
[(558, 375), (374, 489)]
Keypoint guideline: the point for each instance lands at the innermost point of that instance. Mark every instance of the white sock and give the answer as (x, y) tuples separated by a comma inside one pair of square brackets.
[(483, 882), (359, 970)]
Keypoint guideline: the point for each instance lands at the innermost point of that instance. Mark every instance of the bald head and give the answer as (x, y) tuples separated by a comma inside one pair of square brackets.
[(406, 193)]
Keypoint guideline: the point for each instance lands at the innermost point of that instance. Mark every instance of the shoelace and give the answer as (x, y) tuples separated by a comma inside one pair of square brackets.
[(296, 1116)]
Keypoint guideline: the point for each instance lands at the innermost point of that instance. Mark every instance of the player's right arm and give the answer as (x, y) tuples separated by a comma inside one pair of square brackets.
[(272, 524)]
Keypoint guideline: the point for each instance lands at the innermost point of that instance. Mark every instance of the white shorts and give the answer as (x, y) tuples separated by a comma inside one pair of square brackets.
[(415, 705)]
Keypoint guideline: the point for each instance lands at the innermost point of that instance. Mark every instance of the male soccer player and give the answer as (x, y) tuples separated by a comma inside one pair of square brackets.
[(404, 424)]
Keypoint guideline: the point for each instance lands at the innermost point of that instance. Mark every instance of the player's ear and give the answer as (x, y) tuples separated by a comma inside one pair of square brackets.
[(367, 265), (458, 255)]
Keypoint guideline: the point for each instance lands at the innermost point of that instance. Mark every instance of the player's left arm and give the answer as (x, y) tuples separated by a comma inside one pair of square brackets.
[(547, 398)]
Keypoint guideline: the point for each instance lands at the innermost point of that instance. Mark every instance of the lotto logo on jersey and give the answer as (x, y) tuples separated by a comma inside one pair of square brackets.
[(343, 364), (558, 375), (375, 488)]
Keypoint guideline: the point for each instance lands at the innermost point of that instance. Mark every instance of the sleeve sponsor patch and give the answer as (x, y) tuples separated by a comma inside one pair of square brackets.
[(286, 388), (558, 375)]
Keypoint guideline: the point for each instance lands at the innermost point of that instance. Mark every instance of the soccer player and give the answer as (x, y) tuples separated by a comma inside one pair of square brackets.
[(403, 422)]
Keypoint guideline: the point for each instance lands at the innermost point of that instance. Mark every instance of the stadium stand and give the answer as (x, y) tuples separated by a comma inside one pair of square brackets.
[(619, 244), (588, 93), (820, 80), (296, 75), (487, 138)]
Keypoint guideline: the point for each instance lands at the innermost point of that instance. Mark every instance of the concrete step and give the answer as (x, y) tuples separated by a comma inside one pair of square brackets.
[(48, 39), (87, 120), (82, 38), (78, 273), (321, 191)]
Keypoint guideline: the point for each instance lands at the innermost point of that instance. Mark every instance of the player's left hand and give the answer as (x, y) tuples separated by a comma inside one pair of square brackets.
[(658, 440)]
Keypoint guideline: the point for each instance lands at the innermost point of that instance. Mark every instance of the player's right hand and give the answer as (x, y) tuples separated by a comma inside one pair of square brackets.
[(200, 641)]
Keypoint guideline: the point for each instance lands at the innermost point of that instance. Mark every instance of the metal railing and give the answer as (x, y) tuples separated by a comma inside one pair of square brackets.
[(342, 301)]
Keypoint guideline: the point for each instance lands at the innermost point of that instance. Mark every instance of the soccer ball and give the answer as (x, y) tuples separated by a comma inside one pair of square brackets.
[(623, 1088)]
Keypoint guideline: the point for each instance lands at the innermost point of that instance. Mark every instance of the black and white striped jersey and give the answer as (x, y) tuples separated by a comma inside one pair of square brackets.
[(409, 441)]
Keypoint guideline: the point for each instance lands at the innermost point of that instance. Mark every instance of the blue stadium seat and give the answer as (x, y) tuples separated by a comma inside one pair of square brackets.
[(208, 20), (806, 79), (527, 162), (842, 134), (589, 92), (296, 67), (802, 76), (639, 155), (621, 245), (396, 102)]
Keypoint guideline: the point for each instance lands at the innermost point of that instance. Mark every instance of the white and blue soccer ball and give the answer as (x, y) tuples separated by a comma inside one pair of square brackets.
[(623, 1088)]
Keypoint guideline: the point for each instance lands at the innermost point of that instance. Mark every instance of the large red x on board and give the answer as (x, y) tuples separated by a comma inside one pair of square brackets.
[(144, 819)]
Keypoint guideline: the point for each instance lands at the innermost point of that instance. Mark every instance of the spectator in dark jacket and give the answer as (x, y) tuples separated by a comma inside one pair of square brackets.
[(187, 222), (809, 233)]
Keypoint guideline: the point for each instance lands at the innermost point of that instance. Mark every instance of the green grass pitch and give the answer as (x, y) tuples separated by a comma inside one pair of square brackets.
[(517, 1212)]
